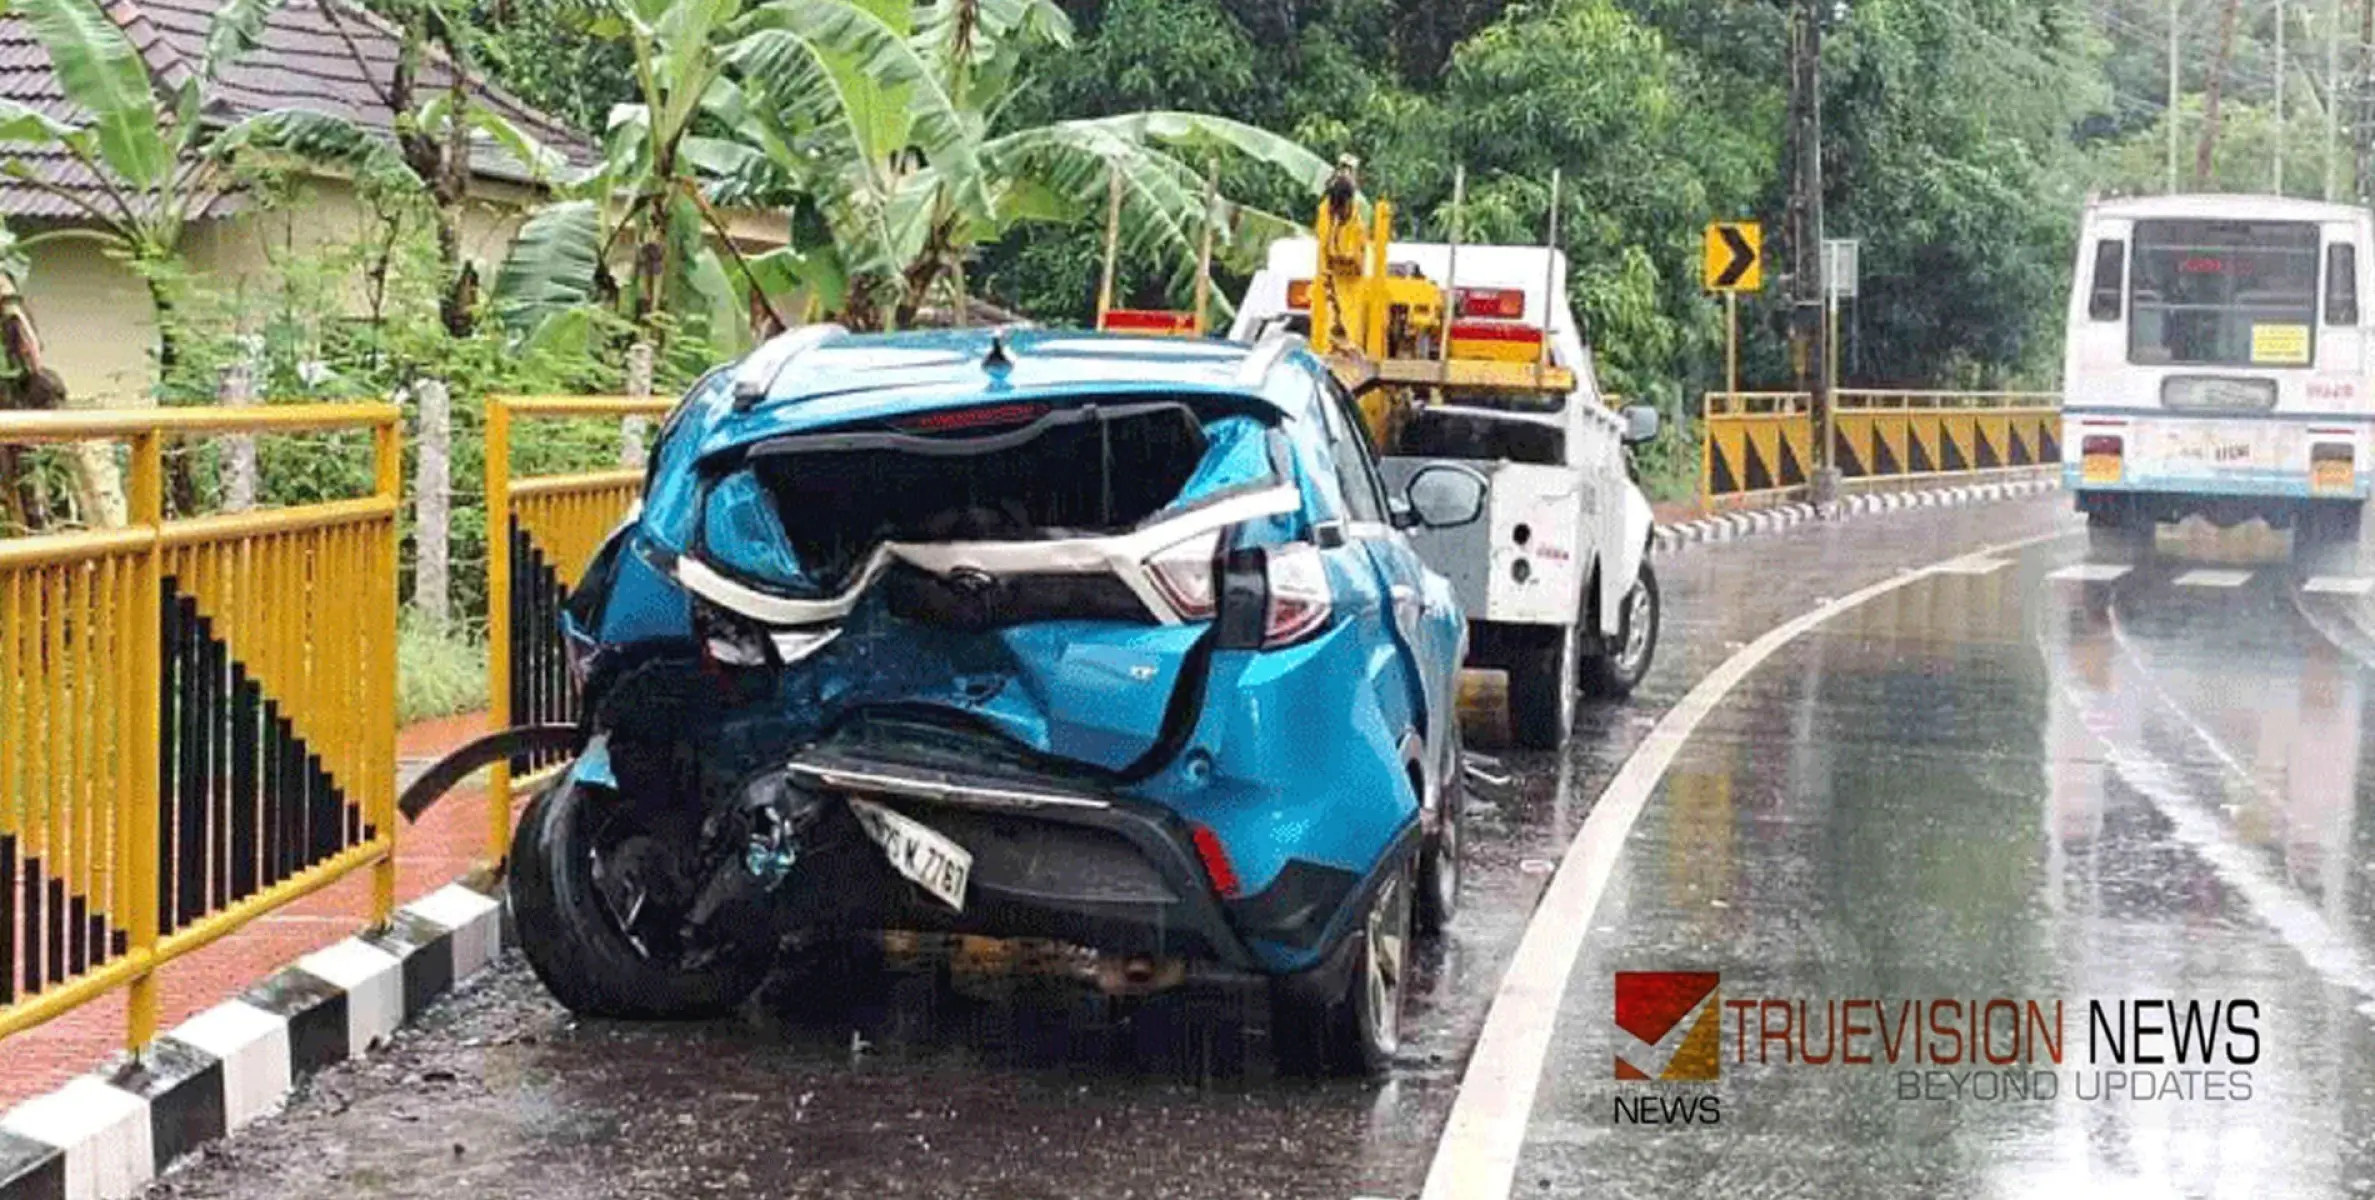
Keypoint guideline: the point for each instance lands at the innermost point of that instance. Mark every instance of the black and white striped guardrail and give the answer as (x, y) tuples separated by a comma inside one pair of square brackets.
[(1724, 527), (105, 1135)]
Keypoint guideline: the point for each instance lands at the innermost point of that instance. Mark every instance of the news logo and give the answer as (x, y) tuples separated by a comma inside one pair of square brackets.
[(1650, 1005)]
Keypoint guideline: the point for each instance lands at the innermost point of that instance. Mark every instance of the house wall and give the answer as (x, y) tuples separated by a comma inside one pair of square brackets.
[(95, 321), (99, 331)]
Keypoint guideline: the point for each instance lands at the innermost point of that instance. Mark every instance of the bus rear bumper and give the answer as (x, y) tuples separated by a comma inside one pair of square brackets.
[(2224, 501)]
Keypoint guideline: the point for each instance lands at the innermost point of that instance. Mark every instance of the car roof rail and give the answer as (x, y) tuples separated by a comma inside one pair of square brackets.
[(1265, 357), (756, 376)]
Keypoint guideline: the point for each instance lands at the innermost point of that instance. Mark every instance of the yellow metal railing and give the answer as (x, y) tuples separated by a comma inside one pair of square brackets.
[(197, 716), (541, 534), (1757, 447)]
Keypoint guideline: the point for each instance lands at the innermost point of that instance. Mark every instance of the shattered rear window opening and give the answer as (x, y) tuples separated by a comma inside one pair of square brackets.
[(806, 511)]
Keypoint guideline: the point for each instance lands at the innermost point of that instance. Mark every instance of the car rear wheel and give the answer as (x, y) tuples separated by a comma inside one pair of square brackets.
[(1625, 656), (1438, 894), (1358, 1031), (599, 905)]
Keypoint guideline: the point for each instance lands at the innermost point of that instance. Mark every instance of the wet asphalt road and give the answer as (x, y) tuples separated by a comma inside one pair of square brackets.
[(2006, 784), (1916, 798)]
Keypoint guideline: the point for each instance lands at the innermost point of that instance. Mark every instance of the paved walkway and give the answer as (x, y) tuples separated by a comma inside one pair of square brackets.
[(445, 844)]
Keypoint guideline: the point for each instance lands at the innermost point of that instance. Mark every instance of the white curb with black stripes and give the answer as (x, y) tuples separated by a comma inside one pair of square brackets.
[(106, 1134), (1725, 527)]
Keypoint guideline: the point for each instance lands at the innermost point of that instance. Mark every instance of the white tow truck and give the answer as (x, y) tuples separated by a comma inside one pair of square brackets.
[(1470, 354)]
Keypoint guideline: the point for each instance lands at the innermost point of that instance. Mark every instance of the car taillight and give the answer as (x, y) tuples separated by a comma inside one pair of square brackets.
[(1273, 596), (2100, 443), (1508, 304), (1184, 573), (1299, 598), (1298, 295)]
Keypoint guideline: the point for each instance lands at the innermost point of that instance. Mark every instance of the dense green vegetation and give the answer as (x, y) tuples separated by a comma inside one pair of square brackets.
[(1962, 137)]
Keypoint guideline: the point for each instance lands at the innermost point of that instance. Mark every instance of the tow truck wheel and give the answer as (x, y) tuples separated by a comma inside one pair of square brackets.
[(1542, 688), (1624, 658), (1358, 1030), (598, 905)]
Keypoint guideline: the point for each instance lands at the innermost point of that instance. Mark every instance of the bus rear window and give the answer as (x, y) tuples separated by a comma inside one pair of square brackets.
[(2102, 303), (2223, 293)]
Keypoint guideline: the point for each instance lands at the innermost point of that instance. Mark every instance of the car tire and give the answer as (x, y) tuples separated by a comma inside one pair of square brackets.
[(577, 948), (1624, 661), (1542, 688), (1439, 872), (1358, 1030)]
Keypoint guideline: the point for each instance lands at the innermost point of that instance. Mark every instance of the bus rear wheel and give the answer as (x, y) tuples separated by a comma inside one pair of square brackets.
[(2118, 531), (2329, 523)]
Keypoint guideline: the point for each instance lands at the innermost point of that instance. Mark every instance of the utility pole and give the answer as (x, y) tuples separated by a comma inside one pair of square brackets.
[(2366, 96), (1808, 352), (2279, 189), (2218, 70), (2169, 115), (2333, 92)]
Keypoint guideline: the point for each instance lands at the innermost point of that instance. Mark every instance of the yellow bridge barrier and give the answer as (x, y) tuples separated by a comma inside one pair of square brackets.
[(1758, 447), (542, 532), (197, 716)]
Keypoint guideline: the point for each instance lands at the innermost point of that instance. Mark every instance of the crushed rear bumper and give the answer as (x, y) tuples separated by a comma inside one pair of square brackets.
[(1068, 861)]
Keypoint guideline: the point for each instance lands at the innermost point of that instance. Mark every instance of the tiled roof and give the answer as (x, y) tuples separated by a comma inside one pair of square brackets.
[(330, 62)]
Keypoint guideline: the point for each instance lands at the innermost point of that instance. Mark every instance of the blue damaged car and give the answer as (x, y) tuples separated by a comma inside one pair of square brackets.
[(1109, 644)]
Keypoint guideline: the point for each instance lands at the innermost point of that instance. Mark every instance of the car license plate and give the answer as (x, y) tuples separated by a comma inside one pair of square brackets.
[(2099, 468), (2330, 476), (932, 859)]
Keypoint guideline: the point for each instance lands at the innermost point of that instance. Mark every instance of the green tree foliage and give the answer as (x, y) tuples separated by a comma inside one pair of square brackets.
[(1950, 155), (1952, 150)]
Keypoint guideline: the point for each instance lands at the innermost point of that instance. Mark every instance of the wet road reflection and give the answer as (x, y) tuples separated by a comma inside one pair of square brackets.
[(1992, 784)]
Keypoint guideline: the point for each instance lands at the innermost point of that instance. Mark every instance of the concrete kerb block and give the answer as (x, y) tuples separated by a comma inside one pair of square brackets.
[(474, 921), (30, 1169), (373, 981), (100, 1131), (105, 1135), (253, 1047)]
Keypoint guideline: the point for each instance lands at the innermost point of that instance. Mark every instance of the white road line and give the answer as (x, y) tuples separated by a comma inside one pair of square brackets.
[(2207, 577), (1477, 1156), (2338, 585), (1974, 565), (2328, 951), (2088, 573)]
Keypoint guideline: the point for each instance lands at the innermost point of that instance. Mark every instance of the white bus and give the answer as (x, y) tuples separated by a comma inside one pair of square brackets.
[(2217, 364)]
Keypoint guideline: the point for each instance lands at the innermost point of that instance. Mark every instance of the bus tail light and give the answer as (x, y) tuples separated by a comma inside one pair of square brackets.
[(2099, 458), (2332, 467)]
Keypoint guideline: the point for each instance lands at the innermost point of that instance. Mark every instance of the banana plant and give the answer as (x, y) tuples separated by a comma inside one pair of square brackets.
[(140, 137), (881, 118), (430, 158), (646, 202)]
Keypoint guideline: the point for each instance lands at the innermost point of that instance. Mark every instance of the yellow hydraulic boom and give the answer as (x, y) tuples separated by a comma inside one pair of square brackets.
[(1393, 337)]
